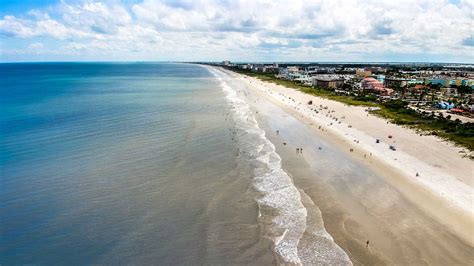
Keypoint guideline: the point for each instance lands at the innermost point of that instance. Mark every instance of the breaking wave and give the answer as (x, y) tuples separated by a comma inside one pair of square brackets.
[(298, 236)]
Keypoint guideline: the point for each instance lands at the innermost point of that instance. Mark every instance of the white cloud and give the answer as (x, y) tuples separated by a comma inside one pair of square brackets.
[(36, 46), (13, 26), (274, 30)]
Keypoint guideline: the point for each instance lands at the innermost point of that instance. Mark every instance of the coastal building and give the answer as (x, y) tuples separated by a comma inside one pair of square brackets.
[(448, 91), (414, 81), (446, 82), (361, 72), (373, 85), (263, 68), (244, 66), (316, 70), (468, 82), (380, 78), (290, 73), (370, 84), (327, 82), (445, 105), (293, 69), (302, 77), (458, 82), (396, 82), (439, 81)]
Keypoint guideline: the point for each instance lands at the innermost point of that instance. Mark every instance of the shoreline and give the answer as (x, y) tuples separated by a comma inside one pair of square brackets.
[(294, 227), (446, 198)]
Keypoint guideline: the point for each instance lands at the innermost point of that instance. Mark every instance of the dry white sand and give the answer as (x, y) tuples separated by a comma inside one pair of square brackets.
[(443, 187)]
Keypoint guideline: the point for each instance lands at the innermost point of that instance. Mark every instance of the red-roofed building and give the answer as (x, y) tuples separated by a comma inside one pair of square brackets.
[(376, 86), (419, 87), (457, 110)]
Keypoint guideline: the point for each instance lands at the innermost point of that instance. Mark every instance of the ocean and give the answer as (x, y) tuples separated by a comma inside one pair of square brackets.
[(121, 163)]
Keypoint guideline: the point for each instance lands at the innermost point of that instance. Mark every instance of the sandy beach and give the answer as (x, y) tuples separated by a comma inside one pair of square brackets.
[(413, 204)]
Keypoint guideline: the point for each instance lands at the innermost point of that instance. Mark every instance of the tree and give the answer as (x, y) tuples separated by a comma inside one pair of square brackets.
[(422, 94), (434, 88), (396, 87), (346, 87), (404, 88), (463, 89)]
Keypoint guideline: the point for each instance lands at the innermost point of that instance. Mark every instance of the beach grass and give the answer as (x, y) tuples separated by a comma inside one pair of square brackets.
[(461, 134)]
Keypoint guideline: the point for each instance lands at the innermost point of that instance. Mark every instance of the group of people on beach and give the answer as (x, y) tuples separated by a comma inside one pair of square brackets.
[(322, 110)]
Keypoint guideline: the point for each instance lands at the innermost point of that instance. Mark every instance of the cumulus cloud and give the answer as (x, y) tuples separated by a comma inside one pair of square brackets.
[(259, 30)]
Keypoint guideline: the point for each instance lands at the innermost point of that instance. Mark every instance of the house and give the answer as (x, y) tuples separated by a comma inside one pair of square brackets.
[(418, 88), (445, 105), (447, 92), (457, 111)]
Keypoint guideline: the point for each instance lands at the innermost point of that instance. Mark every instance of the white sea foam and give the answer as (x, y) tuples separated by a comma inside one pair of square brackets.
[(281, 211)]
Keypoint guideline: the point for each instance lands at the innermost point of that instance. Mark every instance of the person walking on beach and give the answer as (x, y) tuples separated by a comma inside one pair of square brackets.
[(367, 243), (297, 150)]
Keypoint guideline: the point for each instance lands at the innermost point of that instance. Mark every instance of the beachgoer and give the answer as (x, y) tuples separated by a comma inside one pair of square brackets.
[(367, 243)]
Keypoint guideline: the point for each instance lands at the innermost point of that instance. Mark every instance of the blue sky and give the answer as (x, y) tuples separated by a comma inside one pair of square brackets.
[(214, 30)]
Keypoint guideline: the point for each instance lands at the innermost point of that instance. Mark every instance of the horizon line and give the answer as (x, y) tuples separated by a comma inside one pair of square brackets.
[(239, 62)]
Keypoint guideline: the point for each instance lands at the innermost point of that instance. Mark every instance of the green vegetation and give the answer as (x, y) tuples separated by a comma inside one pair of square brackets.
[(396, 111)]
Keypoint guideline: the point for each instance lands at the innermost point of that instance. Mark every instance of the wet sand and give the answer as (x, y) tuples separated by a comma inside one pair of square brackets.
[(357, 200)]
